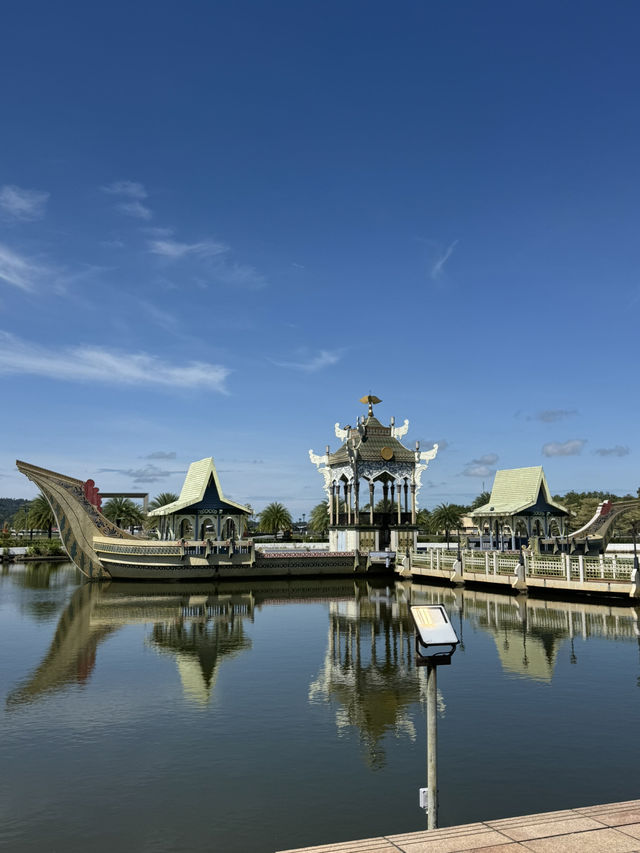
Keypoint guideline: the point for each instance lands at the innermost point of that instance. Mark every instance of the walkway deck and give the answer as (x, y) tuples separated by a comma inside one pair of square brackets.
[(613, 828)]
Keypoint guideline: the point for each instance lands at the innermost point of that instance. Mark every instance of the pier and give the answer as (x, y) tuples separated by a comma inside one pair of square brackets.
[(601, 575), (594, 829)]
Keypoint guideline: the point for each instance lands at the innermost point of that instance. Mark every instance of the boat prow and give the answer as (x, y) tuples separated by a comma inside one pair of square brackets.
[(79, 522)]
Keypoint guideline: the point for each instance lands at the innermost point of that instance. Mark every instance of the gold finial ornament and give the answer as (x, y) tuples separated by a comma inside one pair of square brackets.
[(371, 400)]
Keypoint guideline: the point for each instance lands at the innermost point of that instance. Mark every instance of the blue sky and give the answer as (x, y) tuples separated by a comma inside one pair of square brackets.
[(222, 224)]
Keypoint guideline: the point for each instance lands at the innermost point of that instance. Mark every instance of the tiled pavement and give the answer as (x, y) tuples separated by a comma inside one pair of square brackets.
[(614, 828)]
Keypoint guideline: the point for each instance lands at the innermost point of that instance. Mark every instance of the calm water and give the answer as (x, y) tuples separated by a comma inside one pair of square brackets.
[(266, 716)]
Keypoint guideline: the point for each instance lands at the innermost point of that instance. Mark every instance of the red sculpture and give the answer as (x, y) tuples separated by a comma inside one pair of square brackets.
[(92, 494)]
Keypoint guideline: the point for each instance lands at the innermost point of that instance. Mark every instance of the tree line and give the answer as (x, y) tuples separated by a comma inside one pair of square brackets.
[(276, 518)]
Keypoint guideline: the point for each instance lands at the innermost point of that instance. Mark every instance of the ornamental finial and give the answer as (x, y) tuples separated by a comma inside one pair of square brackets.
[(371, 400)]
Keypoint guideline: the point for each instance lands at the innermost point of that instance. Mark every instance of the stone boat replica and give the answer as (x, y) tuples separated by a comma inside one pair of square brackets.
[(102, 550)]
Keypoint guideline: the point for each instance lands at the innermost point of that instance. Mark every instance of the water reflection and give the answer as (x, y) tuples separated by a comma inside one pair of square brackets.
[(528, 632), (369, 670), (368, 673), (199, 625)]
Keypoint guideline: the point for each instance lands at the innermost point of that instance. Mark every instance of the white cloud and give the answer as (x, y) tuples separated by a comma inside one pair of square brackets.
[(135, 209), (438, 266), (17, 270), (23, 205), (482, 467), (97, 364), (161, 454), (618, 450), (174, 249), (325, 358), (572, 447), (131, 189)]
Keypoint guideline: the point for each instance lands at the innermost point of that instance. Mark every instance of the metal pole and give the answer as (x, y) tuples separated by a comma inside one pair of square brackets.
[(635, 554), (432, 747)]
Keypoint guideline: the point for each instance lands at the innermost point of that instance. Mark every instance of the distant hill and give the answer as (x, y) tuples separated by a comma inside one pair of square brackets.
[(9, 507)]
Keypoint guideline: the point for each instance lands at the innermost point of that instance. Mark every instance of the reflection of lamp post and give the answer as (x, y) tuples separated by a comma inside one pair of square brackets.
[(436, 641)]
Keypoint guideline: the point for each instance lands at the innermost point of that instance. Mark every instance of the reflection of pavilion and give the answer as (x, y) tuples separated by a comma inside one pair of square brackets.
[(194, 622), (199, 628), (369, 669), (200, 642), (529, 633)]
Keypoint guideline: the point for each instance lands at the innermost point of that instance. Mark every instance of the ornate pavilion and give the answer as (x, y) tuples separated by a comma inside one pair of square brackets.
[(520, 500), (202, 511), (371, 465)]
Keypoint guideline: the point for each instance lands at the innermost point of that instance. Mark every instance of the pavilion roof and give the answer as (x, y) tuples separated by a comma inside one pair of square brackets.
[(516, 490), (368, 449), (199, 476)]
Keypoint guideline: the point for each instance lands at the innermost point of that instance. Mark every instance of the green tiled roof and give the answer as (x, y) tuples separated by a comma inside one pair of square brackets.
[(516, 490), (368, 449), (194, 487)]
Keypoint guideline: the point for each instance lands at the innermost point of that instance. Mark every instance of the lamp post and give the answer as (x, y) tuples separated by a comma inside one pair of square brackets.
[(436, 641), (634, 530)]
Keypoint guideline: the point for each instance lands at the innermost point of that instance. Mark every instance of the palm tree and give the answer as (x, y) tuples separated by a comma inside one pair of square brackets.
[(123, 512), (482, 499), (446, 517), (160, 523), (41, 515), (423, 520), (163, 499), (275, 517), (319, 519), (21, 519)]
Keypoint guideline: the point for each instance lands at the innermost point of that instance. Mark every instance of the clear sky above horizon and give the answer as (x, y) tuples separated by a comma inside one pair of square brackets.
[(222, 224)]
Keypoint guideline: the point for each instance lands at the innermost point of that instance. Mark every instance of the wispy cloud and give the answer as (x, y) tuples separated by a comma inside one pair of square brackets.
[(98, 364), (148, 474), (550, 416), (19, 271), (174, 249), (164, 319), (325, 358), (160, 454), (484, 466), (130, 189), (238, 275), (437, 267), (135, 193), (21, 204), (135, 209), (618, 450), (572, 447)]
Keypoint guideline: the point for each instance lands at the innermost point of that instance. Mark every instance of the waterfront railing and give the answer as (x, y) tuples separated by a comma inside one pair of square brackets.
[(614, 567)]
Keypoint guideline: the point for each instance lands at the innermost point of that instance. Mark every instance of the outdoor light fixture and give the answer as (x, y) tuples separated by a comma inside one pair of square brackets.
[(436, 639)]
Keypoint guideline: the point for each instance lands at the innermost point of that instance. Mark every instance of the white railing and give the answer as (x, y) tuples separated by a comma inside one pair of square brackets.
[(606, 567)]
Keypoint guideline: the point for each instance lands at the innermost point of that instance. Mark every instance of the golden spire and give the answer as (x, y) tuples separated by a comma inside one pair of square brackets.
[(371, 400)]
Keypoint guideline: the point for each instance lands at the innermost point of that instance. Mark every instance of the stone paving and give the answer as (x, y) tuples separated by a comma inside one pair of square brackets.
[(613, 828)]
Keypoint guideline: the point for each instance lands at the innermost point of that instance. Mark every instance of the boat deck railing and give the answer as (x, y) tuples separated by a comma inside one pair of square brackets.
[(177, 548)]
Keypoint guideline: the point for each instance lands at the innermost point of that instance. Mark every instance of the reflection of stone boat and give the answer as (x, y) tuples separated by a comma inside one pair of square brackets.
[(100, 549)]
